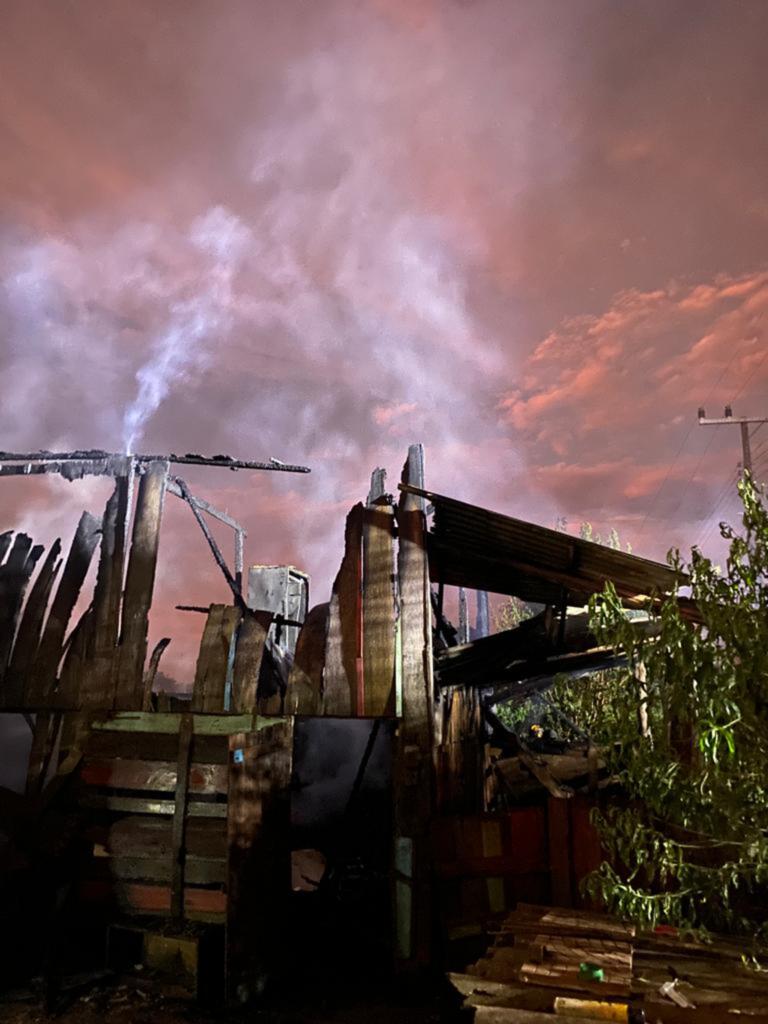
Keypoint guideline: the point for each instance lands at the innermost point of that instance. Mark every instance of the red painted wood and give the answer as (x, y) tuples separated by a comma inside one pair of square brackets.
[(152, 775)]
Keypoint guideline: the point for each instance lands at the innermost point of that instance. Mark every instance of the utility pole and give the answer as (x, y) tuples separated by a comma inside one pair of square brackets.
[(744, 423)]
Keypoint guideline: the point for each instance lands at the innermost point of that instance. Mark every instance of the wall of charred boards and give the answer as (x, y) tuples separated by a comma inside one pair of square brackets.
[(185, 805)]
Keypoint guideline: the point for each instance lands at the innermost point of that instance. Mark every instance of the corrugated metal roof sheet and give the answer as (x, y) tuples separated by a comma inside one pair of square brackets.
[(474, 547)]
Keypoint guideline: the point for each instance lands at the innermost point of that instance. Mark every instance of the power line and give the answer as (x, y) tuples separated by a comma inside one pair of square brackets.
[(726, 494)]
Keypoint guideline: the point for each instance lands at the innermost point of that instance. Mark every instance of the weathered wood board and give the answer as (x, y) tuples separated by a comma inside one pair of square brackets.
[(304, 693), (413, 769), (100, 679), (378, 611), (150, 836), (139, 586), (214, 659), (251, 638), (343, 672), (119, 773)]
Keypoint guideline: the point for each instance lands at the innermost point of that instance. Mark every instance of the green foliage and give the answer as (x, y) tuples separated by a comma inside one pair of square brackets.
[(690, 844), (511, 613)]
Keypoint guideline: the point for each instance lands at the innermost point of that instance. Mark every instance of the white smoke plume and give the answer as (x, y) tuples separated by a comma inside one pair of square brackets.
[(194, 324)]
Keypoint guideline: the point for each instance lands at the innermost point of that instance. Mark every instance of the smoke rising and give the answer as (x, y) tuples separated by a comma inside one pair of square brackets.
[(324, 231), (194, 323)]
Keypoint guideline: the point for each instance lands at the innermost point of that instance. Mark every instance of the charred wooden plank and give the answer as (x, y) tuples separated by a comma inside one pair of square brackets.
[(259, 854), (342, 675), (304, 693), (214, 658), (98, 689), (30, 627), (42, 679), (14, 577), (378, 611), (151, 674), (192, 459), (139, 586), (251, 638), (76, 663)]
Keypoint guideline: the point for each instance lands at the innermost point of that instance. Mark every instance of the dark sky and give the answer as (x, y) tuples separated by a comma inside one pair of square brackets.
[(533, 236)]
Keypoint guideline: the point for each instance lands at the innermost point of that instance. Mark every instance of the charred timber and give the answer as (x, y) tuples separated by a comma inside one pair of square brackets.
[(96, 455)]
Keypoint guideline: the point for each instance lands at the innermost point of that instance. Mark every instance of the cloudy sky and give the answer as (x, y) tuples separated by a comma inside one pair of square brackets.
[(532, 235)]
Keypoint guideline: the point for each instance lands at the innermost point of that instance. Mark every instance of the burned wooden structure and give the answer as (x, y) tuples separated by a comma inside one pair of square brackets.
[(184, 803)]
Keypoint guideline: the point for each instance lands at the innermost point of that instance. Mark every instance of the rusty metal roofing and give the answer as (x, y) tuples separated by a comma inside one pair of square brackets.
[(476, 548)]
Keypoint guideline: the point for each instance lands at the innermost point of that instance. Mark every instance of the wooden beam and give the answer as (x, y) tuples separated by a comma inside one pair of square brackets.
[(169, 722), (259, 862), (139, 586)]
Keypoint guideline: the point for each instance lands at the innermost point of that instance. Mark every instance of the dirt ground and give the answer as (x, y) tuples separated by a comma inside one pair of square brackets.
[(135, 1001)]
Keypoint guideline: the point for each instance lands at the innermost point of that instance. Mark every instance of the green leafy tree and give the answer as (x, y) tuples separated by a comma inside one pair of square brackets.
[(689, 744)]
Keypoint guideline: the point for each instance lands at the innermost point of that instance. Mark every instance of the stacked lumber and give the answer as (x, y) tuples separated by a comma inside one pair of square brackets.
[(156, 806), (533, 973), (546, 945)]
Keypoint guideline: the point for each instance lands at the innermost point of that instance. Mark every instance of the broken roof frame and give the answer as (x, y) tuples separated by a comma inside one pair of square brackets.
[(77, 464)]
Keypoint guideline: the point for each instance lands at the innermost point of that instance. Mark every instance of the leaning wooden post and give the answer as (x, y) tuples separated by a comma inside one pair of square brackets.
[(413, 775)]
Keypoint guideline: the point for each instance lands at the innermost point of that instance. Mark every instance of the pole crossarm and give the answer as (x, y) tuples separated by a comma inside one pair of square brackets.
[(744, 423)]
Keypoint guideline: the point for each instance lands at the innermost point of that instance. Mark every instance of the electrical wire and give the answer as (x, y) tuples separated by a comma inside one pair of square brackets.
[(682, 446)]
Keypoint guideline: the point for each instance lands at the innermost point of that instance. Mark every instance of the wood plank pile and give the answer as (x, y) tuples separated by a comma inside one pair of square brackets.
[(548, 963)]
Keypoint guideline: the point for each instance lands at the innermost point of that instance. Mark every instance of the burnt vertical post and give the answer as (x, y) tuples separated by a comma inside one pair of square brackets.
[(413, 756)]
